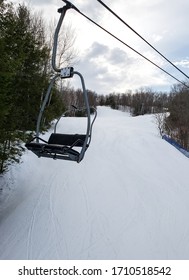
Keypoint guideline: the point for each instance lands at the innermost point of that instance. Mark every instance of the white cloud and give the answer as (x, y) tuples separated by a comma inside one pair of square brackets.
[(184, 63), (108, 70), (157, 38), (41, 2)]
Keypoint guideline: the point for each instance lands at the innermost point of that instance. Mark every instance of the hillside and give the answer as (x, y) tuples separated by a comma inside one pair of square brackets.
[(128, 198)]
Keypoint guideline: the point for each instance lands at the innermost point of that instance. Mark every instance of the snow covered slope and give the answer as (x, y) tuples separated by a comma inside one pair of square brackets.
[(128, 199)]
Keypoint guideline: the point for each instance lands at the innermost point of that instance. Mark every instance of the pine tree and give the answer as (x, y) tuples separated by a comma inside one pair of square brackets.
[(23, 77), (178, 120)]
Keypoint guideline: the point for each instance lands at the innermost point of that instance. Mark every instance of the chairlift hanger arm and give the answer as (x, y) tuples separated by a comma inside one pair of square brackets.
[(62, 12)]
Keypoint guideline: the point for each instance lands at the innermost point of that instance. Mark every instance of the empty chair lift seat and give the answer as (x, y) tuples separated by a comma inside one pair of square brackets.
[(59, 146)]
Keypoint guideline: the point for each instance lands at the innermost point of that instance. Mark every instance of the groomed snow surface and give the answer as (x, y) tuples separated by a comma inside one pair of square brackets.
[(128, 198)]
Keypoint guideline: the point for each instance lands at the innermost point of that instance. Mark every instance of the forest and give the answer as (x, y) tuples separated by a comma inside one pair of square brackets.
[(25, 72), (171, 109)]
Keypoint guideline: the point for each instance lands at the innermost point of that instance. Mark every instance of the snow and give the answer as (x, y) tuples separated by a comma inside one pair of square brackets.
[(128, 198)]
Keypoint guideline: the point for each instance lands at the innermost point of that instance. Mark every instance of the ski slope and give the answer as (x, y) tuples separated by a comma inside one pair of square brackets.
[(128, 198)]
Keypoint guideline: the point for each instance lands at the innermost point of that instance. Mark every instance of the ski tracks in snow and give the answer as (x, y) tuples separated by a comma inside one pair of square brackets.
[(96, 233), (59, 235), (32, 224), (54, 235)]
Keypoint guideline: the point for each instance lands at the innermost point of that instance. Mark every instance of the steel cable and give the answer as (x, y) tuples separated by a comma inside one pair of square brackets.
[(142, 38)]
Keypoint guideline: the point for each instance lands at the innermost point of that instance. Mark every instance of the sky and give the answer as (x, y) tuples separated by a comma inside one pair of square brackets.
[(109, 66)]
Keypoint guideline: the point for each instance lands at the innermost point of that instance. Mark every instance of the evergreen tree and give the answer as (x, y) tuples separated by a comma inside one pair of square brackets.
[(178, 120), (30, 55), (24, 77)]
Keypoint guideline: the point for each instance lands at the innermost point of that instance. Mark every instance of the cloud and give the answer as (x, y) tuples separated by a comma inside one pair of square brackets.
[(184, 63), (157, 38), (89, 8), (41, 2), (114, 55), (109, 69), (97, 50), (118, 56)]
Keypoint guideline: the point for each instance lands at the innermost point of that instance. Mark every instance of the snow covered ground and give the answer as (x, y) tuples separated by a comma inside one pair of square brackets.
[(128, 198)]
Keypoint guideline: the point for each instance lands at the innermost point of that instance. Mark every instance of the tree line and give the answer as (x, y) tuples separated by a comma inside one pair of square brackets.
[(142, 101), (176, 124), (24, 76), (171, 109)]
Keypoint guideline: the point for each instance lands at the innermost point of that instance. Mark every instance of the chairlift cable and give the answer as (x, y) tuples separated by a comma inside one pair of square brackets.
[(115, 37), (110, 10)]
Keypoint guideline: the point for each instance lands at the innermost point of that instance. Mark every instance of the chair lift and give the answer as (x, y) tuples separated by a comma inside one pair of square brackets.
[(62, 146)]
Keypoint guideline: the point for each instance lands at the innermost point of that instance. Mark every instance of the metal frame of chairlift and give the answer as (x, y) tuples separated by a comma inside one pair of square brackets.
[(62, 146)]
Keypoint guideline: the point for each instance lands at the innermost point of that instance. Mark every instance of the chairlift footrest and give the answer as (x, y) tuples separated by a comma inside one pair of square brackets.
[(53, 151)]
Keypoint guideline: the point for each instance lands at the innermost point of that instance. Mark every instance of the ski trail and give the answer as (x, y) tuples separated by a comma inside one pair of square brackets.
[(128, 199), (87, 235), (56, 237), (49, 207), (108, 240), (99, 238), (32, 223), (96, 226), (47, 191), (57, 228)]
